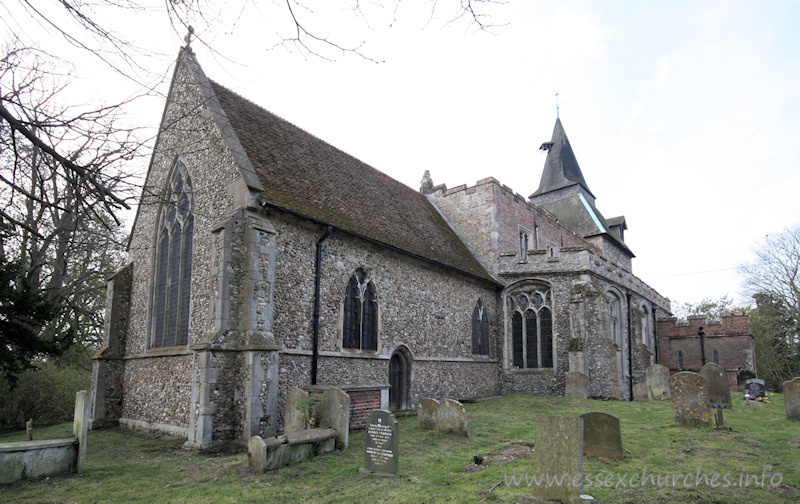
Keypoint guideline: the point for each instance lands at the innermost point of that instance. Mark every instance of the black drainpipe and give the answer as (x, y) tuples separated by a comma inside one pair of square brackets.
[(630, 351), (318, 274), (702, 335), (655, 333)]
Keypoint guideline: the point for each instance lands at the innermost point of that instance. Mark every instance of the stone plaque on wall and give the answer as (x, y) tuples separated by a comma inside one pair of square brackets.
[(690, 399), (382, 444)]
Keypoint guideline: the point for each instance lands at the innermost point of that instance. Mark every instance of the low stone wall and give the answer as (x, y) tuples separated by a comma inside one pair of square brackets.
[(34, 459)]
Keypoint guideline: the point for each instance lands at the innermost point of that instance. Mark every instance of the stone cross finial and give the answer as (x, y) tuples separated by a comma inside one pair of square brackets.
[(427, 183)]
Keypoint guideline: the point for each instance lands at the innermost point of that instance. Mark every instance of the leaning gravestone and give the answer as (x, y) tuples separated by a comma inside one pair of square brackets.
[(80, 428), (640, 392), (452, 417), (427, 414), (690, 399), (791, 396), (719, 392), (296, 411), (382, 444), (559, 452), (755, 388), (602, 436), (657, 382), (576, 385)]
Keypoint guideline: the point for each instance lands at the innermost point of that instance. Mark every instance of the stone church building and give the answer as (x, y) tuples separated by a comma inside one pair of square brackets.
[(263, 259)]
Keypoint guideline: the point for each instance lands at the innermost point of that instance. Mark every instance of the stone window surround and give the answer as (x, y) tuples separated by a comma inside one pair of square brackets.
[(181, 164), (477, 330), (518, 287), (378, 325)]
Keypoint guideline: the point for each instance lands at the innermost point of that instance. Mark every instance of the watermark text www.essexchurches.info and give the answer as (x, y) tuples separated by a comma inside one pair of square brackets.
[(644, 478)]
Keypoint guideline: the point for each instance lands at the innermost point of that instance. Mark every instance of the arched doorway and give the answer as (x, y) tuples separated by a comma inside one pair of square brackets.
[(399, 379)]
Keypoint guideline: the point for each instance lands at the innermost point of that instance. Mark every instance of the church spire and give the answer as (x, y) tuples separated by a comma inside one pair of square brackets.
[(561, 167)]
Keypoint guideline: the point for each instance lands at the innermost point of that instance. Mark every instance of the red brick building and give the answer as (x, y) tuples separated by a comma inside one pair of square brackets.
[(687, 346)]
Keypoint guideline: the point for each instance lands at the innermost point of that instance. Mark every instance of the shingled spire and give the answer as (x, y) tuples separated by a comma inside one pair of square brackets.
[(561, 167)]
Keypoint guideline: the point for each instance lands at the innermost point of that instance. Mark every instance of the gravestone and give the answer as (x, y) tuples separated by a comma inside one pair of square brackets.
[(295, 416), (576, 385), (29, 429), (791, 397), (427, 414), (719, 392), (755, 388), (657, 382), (690, 399), (640, 392), (383, 443), (559, 452), (334, 412), (80, 428), (452, 417), (602, 436), (257, 454)]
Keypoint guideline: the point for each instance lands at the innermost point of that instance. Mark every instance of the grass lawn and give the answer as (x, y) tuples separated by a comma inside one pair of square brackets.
[(124, 466)]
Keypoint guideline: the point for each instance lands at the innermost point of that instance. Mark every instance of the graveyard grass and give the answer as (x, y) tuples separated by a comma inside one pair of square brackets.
[(124, 466)]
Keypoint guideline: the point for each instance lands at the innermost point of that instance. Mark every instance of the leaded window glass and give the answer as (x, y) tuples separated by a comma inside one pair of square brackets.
[(480, 330), (173, 269), (360, 316), (531, 328)]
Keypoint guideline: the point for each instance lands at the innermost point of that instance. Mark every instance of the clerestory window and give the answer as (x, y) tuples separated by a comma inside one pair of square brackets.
[(531, 329), (360, 317), (173, 262)]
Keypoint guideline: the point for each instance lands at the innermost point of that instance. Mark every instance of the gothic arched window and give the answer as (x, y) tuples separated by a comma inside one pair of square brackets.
[(480, 330), (173, 262), (531, 328), (615, 318), (360, 317)]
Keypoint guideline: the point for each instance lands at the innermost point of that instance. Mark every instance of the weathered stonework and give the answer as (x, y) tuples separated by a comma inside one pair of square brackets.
[(257, 260)]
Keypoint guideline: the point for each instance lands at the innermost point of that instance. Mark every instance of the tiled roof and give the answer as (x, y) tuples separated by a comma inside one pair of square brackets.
[(305, 175)]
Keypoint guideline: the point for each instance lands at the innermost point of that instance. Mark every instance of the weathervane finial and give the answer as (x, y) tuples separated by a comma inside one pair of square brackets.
[(557, 107), (188, 38)]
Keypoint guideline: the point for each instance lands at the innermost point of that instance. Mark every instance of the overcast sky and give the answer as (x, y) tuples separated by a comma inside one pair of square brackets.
[(684, 116)]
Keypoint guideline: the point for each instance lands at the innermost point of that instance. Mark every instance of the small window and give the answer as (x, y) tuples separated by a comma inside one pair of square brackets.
[(480, 330), (524, 244), (360, 313), (715, 356), (680, 359), (536, 237)]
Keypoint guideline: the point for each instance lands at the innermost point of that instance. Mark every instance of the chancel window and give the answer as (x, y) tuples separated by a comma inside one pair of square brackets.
[(647, 331), (680, 359), (480, 330), (360, 322), (531, 329), (173, 262), (715, 357)]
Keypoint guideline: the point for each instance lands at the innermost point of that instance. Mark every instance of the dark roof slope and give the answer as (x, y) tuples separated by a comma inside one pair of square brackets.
[(561, 166), (303, 174)]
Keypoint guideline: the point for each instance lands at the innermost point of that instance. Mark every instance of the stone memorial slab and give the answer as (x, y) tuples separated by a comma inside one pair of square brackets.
[(333, 410), (640, 392), (755, 388), (791, 396), (576, 385), (657, 382), (295, 417), (257, 454), (427, 414), (690, 399), (80, 428), (382, 452), (559, 451), (602, 436), (452, 417), (719, 392)]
